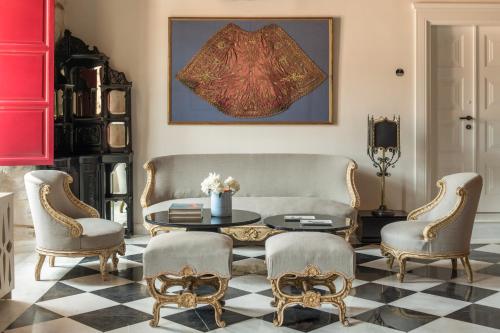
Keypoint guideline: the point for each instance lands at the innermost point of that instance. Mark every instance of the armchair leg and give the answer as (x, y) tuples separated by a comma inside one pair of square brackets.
[(402, 269), (103, 261), (52, 261), (467, 267), (390, 261), (454, 264), (38, 267)]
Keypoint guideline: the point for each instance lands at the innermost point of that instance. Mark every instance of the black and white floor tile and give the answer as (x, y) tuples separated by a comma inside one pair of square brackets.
[(433, 298)]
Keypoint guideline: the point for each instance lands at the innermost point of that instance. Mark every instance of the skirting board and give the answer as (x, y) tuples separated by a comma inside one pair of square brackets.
[(486, 228)]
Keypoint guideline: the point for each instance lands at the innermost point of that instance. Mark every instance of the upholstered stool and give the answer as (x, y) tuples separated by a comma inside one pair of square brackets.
[(304, 260), (188, 259)]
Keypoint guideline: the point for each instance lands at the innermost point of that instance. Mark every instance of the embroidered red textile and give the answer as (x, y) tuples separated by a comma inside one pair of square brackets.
[(251, 74)]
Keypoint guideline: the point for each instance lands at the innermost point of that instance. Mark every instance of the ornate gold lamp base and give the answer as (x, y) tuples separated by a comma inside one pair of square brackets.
[(188, 297), (310, 298)]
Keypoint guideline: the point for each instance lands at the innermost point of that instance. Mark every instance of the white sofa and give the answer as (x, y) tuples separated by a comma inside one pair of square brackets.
[(270, 184)]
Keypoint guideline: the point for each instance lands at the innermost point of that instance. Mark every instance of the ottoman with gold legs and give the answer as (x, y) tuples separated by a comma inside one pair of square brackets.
[(190, 260), (305, 260)]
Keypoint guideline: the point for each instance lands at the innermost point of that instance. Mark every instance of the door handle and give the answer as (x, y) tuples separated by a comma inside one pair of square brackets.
[(466, 118)]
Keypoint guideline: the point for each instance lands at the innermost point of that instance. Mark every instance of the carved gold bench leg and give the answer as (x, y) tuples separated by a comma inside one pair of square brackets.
[(309, 297), (103, 261), (114, 260), (52, 261), (187, 298)]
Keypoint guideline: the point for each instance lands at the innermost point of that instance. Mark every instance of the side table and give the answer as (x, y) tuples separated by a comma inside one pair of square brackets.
[(369, 225)]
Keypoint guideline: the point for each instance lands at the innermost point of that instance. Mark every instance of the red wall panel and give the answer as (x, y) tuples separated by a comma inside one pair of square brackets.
[(23, 21), (25, 76), (26, 82), (33, 126)]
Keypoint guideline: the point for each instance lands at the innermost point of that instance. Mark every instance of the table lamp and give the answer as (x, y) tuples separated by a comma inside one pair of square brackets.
[(384, 151)]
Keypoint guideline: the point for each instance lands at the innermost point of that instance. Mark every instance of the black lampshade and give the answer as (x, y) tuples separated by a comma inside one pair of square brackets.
[(385, 134)]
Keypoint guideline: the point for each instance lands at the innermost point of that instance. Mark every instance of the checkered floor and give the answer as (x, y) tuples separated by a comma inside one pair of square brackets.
[(433, 298)]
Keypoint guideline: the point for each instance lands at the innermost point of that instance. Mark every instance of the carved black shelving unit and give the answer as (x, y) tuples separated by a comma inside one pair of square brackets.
[(93, 130)]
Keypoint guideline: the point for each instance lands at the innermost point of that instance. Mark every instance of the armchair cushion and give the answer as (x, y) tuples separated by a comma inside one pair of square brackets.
[(268, 206), (100, 233), (406, 236)]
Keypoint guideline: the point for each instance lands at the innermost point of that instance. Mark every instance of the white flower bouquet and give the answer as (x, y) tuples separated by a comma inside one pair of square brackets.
[(214, 184)]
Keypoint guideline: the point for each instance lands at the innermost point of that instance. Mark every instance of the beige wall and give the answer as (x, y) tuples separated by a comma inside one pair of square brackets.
[(373, 39)]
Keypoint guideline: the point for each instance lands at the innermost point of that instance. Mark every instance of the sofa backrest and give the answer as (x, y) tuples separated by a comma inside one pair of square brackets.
[(260, 175)]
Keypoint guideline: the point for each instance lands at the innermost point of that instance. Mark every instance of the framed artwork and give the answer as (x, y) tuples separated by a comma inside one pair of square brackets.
[(250, 70)]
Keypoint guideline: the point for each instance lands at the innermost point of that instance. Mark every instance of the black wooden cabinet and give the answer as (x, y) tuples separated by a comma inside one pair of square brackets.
[(369, 225), (93, 129)]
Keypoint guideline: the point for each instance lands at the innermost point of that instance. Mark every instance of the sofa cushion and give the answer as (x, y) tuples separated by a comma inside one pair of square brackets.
[(100, 233), (268, 206), (206, 252)]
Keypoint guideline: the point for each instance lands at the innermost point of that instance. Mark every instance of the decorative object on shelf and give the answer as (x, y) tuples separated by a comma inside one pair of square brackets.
[(221, 193), (93, 128), (384, 150), (250, 70), (6, 245)]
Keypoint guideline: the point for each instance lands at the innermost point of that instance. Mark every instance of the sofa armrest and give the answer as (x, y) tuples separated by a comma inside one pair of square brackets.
[(351, 184), (150, 184)]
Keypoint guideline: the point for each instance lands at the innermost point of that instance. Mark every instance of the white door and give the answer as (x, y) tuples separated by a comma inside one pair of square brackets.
[(465, 102), (488, 162), (452, 100)]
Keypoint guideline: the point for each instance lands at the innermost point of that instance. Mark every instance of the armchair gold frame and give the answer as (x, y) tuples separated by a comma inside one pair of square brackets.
[(189, 280), (75, 230), (429, 233), (305, 281), (247, 233)]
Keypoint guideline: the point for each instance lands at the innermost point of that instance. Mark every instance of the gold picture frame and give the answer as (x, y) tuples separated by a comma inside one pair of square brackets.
[(186, 107)]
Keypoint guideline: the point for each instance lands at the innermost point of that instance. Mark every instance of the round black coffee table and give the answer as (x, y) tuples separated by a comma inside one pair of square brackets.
[(209, 222), (278, 222)]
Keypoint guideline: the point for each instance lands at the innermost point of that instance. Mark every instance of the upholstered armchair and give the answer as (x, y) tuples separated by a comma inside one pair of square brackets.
[(67, 227), (440, 229)]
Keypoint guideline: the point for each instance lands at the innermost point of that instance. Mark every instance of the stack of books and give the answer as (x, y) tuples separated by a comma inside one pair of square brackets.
[(185, 212)]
